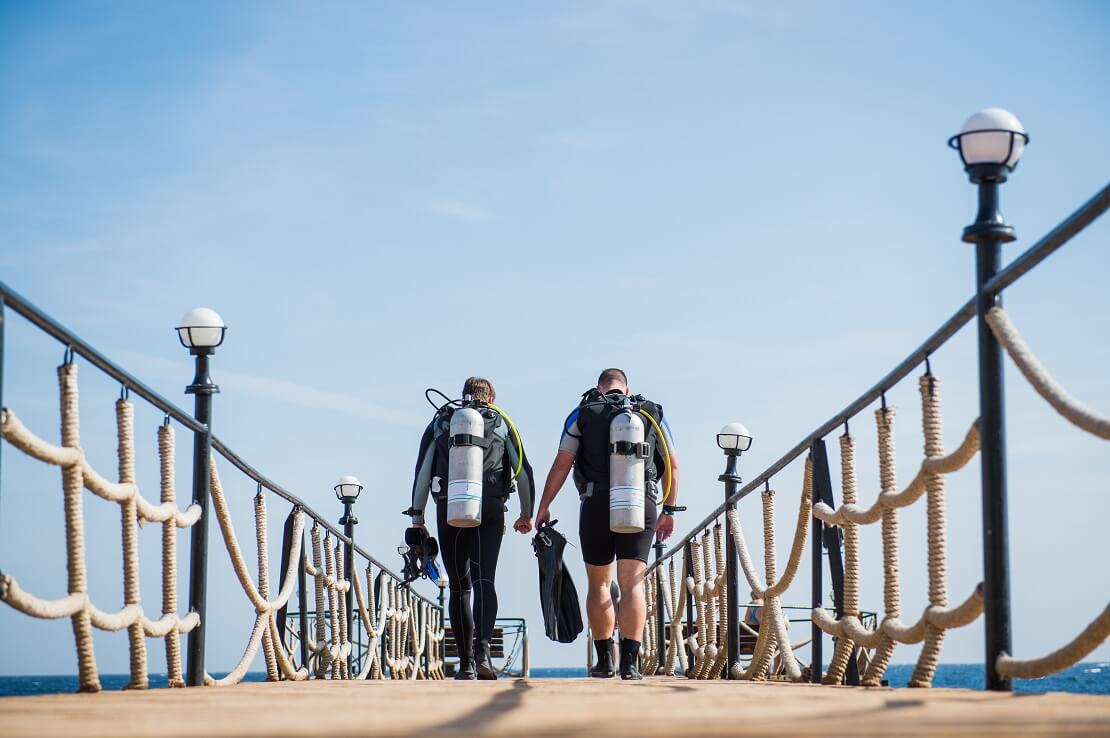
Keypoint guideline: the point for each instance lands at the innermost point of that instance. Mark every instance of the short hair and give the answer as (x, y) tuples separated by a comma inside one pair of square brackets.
[(480, 389), (612, 376)]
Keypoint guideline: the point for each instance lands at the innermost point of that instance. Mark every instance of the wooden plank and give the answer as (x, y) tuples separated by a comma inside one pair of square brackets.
[(663, 707)]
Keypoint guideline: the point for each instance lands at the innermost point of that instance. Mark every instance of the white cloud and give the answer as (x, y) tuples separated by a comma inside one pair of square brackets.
[(277, 390)]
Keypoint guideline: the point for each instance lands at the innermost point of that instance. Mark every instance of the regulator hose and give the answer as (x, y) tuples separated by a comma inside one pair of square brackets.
[(666, 455), (516, 436)]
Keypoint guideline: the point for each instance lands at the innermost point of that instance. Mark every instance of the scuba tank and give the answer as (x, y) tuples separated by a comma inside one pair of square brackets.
[(627, 456), (464, 467)]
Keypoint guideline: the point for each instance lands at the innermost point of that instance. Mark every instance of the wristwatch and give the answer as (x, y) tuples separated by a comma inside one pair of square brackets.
[(672, 509)]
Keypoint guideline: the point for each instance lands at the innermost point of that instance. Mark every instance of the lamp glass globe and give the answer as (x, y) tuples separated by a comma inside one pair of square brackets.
[(991, 137), (201, 328)]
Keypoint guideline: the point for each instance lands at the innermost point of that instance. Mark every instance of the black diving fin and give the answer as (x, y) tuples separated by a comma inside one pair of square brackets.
[(562, 612)]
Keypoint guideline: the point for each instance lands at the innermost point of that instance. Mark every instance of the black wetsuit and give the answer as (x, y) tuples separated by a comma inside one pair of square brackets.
[(470, 554), (470, 558)]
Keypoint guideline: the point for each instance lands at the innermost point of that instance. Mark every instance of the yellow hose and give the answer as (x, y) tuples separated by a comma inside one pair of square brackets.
[(516, 435), (666, 455)]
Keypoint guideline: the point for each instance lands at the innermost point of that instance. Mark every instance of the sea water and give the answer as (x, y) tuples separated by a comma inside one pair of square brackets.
[(1088, 678)]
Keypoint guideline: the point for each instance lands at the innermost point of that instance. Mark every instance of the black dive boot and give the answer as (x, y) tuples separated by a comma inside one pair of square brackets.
[(466, 671), (603, 669), (630, 659), (482, 661)]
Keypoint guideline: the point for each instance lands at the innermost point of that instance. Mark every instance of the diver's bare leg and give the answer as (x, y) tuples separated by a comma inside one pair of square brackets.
[(633, 613), (599, 601)]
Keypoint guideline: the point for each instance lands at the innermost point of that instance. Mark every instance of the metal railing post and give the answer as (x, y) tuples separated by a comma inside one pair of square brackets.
[(817, 567), (660, 608), (988, 233), (689, 608), (302, 603), (2, 319), (732, 574), (203, 388)]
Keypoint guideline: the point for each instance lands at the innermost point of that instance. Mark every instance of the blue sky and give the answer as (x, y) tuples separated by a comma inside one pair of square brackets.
[(748, 206)]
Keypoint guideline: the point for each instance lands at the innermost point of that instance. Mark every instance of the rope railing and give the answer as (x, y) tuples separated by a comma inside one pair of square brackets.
[(850, 635), (414, 651), (78, 475), (1085, 419)]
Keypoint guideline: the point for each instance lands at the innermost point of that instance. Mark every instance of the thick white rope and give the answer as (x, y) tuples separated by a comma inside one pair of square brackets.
[(77, 475), (1062, 658), (1031, 368)]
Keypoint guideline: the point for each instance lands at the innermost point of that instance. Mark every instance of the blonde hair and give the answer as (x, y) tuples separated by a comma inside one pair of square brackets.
[(480, 389)]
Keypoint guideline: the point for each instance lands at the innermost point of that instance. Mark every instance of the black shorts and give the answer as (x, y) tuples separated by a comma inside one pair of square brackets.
[(601, 545)]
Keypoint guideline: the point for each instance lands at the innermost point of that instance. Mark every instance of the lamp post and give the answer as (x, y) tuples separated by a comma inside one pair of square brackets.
[(990, 144), (201, 331), (734, 439), (347, 489)]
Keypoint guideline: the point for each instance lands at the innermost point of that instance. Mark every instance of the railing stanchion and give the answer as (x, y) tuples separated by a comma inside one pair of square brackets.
[(988, 233), (817, 567), (732, 575), (689, 608), (203, 388), (302, 603), (286, 552), (2, 317), (660, 607)]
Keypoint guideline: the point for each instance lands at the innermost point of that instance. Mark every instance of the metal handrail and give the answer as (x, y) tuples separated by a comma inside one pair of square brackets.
[(1038, 252), (80, 347)]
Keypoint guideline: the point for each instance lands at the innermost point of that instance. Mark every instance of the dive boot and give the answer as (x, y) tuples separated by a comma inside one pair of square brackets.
[(482, 661), (603, 669), (630, 659), (466, 671)]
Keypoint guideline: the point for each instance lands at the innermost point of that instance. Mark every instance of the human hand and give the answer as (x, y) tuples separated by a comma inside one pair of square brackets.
[(523, 525), (664, 527), (543, 517)]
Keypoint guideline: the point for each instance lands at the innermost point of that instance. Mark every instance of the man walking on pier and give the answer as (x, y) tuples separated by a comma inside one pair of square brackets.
[(585, 446)]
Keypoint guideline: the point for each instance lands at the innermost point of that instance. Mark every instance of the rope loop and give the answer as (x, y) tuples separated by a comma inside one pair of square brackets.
[(68, 356)]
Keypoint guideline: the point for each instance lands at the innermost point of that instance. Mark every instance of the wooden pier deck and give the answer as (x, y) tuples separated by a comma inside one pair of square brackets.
[(549, 707)]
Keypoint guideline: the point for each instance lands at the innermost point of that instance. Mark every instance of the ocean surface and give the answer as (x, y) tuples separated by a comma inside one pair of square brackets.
[(1088, 678)]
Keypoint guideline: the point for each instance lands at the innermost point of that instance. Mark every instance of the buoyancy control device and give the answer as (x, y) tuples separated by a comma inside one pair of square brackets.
[(470, 455), (634, 452)]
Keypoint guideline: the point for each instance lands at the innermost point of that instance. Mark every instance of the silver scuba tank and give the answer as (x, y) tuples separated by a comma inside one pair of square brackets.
[(627, 457), (464, 469)]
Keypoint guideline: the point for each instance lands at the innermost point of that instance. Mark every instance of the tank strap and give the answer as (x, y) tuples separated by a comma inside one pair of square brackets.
[(627, 448), (469, 439)]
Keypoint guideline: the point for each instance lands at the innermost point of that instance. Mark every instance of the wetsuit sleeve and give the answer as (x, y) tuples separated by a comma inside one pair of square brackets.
[(423, 480), (569, 440), (525, 483)]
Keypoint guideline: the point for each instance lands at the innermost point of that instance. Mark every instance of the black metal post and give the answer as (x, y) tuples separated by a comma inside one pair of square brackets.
[(689, 630), (385, 632), (831, 536), (349, 521), (2, 318), (817, 567), (286, 552), (660, 606), (988, 233), (732, 573), (203, 388), (302, 603)]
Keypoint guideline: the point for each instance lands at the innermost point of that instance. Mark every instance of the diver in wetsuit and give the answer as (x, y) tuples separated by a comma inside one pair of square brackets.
[(470, 554), (585, 447)]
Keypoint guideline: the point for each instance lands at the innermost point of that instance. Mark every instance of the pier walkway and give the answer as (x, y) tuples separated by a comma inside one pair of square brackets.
[(663, 706)]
